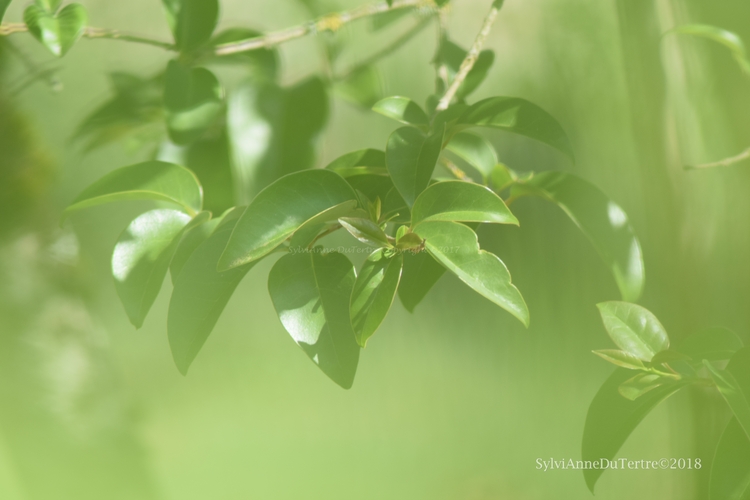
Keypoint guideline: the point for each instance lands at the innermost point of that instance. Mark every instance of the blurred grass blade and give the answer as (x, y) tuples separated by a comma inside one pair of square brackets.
[(728, 39)]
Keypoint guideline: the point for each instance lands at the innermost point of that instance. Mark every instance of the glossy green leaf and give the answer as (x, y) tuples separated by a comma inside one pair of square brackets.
[(455, 246), (518, 116), (365, 231), (411, 158), (730, 470), (420, 274), (374, 292), (668, 356), (452, 56), (410, 241), (476, 151), (612, 418), (600, 219), (402, 109), (200, 295), (279, 210), (50, 5), (135, 110), (151, 180), (634, 329), (726, 38), (502, 177), (363, 87), (189, 242), (274, 131), (56, 31), (192, 21), (711, 343), (621, 358), (311, 292), (460, 201), (193, 101), (263, 63), (3, 7), (361, 162), (639, 385), (734, 385), (141, 258), (307, 232)]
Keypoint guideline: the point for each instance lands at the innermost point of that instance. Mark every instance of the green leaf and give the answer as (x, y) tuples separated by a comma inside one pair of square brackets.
[(311, 292), (668, 356), (518, 116), (634, 329), (135, 108), (365, 231), (502, 177), (200, 295), (262, 63), (56, 31), (193, 101), (460, 201), (402, 109), (411, 158), (50, 5), (361, 162), (151, 180), (192, 21), (142, 255), (410, 241), (190, 241), (384, 19), (279, 210), (726, 38), (420, 274), (455, 246), (3, 7), (612, 418), (600, 219), (452, 56), (712, 344), (621, 358), (363, 87), (374, 292), (730, 470), (274, 131), (307, 232), (639, 385), (734, 385), (476, 151)]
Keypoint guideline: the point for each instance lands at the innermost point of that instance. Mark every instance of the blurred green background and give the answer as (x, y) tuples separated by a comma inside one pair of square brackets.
[(455, 401)]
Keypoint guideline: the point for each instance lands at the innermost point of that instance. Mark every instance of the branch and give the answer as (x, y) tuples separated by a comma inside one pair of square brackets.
[(89, 32), (471, 57), (330, 22), (726, 162)]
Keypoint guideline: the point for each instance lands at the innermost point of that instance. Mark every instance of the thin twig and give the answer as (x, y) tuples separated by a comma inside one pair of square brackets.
[(726, 162), (386, 51), (11, 28), (471, 57), (330, 22)]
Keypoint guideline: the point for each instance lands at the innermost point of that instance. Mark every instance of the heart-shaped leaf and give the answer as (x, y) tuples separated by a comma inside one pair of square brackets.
[(402, 109), (193, 100), (476, 151), (192, 21), (730, 470), (460, 201), (274, 131), (411, 158), (142, 255), (612, 418), (365, 231), (420, 274), (712, 344), (57, 31), (151, 180), (374, 292), (311, 292), (634, 329), (279, 210), (518, 116), (200, 295), (455, 246), (600, 219), (621, 358)]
